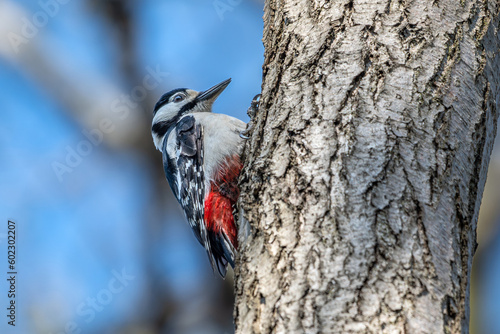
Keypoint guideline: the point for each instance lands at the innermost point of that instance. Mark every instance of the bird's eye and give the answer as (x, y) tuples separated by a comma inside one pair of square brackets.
[(178, 98)]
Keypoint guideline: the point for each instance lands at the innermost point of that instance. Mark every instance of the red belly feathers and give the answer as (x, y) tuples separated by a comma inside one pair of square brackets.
[(221, 200)]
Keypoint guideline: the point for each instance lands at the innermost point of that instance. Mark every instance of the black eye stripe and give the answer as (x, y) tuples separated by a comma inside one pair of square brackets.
[(188, 106), (165, 98), (161, 128)]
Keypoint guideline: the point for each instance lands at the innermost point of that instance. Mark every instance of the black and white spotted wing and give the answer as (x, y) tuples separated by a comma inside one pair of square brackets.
[(186, 177)]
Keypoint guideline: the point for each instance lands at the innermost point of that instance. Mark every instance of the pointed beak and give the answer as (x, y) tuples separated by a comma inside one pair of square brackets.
[(212, 93)]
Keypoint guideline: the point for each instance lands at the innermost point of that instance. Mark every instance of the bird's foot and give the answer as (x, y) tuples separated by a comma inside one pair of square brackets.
[(254, 106), (251, 112)]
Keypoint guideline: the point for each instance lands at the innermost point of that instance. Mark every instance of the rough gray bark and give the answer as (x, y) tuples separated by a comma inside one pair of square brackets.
[(365, 170)]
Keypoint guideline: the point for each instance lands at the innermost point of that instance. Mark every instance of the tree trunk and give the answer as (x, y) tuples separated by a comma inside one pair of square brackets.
[(364, 173)]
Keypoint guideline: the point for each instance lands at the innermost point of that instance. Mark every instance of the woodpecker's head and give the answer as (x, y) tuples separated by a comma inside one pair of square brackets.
[(178, 102)]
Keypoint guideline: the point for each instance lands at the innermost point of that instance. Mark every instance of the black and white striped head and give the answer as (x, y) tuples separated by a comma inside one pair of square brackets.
[(178, 102)]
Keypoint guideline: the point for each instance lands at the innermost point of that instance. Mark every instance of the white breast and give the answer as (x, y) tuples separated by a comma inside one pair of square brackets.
[(221, 139)]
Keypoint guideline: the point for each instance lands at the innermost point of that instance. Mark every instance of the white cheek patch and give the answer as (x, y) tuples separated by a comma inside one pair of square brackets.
[(165, 113)]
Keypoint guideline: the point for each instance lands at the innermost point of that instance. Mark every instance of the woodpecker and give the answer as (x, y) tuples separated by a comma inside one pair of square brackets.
[(201, 158)]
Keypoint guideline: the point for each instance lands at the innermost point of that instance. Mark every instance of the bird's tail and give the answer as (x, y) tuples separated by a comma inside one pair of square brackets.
[(221, 230)]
